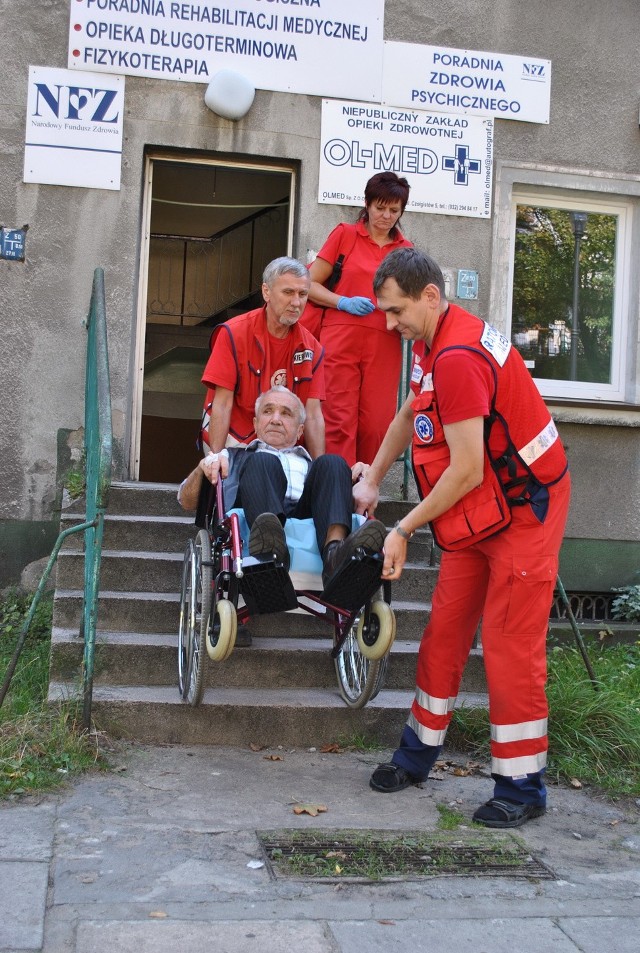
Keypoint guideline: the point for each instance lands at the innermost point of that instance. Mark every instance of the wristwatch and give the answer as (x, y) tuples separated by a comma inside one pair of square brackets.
[(402, 532)]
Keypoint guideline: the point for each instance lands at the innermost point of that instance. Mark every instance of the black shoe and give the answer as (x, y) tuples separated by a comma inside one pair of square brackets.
[(500, 812), (389, 778), (370, 537), (267, 538)]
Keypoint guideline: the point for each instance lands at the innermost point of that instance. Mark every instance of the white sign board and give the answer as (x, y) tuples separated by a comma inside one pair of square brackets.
[(466, 81), (447, 159), (319, 47), (74, 128)]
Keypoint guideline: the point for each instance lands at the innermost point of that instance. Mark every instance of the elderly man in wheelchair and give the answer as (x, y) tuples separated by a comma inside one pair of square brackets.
[(270, 486)]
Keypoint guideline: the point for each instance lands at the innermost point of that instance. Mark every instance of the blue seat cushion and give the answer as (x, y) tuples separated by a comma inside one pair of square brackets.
[(301, 540)]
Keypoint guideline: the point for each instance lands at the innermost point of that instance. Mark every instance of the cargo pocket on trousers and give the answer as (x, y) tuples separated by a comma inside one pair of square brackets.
[(532, 585)]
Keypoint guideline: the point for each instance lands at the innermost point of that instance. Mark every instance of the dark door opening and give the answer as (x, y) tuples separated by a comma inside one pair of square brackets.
[(213, 228)]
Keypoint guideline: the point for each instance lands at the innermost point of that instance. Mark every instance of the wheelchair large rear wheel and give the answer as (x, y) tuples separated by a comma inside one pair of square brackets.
[(192, 653), (359, 678), (187, 615)]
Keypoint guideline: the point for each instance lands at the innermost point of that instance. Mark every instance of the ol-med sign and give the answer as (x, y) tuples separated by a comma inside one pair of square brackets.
[(447, 159)]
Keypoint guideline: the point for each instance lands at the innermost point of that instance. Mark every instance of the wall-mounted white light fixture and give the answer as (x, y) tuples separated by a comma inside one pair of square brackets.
[(230, 94)]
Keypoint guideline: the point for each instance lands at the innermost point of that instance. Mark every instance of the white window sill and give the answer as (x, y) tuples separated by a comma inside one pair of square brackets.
[(591, 414)]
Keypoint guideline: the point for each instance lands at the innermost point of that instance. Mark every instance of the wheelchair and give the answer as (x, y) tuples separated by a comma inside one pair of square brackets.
[(222, 587)]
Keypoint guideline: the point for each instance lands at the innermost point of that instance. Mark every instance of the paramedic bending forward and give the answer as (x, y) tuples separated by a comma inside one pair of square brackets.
[(480, 435)]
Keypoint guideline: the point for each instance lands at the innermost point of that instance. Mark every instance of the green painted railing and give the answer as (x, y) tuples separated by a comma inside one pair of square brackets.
[(98, 442), (98, 447)]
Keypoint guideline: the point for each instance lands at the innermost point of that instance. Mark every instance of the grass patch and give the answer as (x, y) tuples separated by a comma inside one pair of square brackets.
[(448, 818), (594, 736), (379, 855), (359, 742), (41, 745)]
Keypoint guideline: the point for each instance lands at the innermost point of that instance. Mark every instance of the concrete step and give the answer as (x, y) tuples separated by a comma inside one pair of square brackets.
[(241, 716), (160, 499), (169, 534), (162, 572), (131, 571), (124, 532), (148, 612), (124, 658)]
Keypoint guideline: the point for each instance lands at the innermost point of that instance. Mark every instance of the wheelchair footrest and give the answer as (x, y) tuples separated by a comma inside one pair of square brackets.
[(266, 587), (355, 583)]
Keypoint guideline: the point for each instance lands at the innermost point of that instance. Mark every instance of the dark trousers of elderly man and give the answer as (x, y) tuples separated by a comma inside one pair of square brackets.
[(326, 497)]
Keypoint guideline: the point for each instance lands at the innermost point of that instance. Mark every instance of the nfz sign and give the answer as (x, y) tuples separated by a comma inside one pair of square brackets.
[(74, 128)]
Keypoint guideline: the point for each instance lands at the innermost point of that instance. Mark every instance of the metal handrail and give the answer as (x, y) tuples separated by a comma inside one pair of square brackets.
[(98, 445), (98, 438)]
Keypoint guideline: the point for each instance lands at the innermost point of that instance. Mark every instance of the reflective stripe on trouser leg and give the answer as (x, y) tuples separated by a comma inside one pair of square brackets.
[(456, 608), (524, 566)]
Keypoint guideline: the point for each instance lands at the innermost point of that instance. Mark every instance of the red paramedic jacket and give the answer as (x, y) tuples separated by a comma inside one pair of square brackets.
[(523, 453)]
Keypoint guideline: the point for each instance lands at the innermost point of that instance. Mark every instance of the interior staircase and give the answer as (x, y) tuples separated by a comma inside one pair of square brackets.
[(282, 690)]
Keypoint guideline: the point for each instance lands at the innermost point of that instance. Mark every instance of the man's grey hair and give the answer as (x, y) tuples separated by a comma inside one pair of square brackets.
[(283, 266), (412, 269), (281, 389)]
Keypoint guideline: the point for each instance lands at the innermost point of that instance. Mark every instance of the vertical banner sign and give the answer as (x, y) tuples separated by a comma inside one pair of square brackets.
[(74, 128), (317, 47), (466, 81), (447, 159)]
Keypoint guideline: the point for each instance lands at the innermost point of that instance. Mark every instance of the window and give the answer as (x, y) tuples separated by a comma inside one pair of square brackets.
[(568, 292)]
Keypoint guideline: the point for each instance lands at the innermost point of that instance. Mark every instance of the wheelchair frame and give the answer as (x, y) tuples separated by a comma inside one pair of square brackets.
[(214, 577)]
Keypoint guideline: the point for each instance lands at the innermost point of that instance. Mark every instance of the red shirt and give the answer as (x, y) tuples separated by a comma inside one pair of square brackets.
[(246, 359), (362, 258)]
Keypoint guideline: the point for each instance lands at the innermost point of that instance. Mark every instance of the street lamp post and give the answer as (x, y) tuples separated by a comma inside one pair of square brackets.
[(579, 223)]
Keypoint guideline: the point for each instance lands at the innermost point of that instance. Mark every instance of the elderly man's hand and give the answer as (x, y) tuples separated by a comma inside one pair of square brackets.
[(358, 471), (215, 465)]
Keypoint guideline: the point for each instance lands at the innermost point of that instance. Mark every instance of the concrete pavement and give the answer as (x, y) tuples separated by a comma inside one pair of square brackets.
[(153, 856)]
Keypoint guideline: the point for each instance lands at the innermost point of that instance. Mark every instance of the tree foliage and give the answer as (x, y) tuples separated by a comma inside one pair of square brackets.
[(543, 290)]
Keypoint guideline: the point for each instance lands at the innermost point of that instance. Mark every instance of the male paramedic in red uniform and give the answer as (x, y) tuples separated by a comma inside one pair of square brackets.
[(494, 486), (256, 351)]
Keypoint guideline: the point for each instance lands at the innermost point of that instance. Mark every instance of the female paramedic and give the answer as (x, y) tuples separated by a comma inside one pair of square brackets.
[(362, 358)]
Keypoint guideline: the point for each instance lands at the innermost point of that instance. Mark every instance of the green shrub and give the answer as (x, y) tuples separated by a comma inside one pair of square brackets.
[(626, 606)]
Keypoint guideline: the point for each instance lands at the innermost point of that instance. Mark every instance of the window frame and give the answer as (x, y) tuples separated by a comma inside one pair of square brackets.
[(524, 184)]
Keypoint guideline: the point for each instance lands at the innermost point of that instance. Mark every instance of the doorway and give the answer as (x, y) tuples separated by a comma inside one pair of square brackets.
[(211, 226)]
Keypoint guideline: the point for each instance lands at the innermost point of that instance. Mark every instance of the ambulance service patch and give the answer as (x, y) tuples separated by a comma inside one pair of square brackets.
[(423, 428)]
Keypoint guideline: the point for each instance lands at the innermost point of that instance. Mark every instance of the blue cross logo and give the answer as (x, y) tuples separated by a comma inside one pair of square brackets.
[(461, 164)]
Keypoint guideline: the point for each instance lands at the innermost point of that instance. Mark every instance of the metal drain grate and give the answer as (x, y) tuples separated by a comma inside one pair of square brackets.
[(383, 855)]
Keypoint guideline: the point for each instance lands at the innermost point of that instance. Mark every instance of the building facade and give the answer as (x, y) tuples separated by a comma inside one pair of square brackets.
[(553, 261)]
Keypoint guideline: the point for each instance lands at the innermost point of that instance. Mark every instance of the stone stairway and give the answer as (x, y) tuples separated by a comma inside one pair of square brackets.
[(280, 691)]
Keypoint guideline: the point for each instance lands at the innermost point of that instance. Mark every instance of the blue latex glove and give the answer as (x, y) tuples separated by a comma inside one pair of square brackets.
[(356, 305)]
